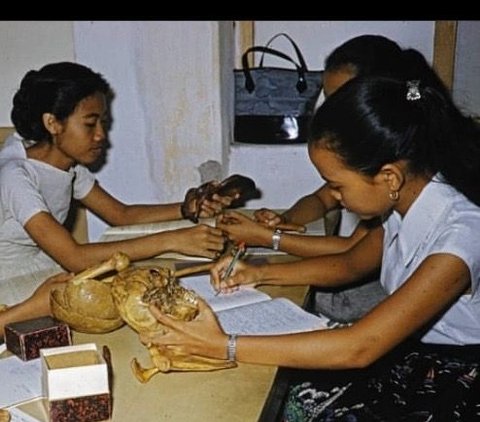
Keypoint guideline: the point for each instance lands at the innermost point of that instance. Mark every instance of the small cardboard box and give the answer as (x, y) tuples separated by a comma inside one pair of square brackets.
[(26, 338), (75, 383)]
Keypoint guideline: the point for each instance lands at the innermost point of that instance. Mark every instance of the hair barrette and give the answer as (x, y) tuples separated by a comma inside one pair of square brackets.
[(413, 91)]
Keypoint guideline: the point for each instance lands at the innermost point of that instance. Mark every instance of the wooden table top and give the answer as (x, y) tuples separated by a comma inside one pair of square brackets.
[(237, 394)]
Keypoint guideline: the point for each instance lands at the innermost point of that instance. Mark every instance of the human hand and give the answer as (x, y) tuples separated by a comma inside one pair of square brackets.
[(241, 274), (268, 217), (241, 228), (215, 205), (204, 202), (200, 240), (211, 197), (202, 336)]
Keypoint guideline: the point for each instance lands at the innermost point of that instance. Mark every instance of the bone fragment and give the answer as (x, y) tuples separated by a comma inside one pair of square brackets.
[(119, 261), (143, 374)]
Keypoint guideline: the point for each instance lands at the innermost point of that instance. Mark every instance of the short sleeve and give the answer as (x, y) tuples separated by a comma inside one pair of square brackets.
[(462, 239), (84, 181), (20, 193)]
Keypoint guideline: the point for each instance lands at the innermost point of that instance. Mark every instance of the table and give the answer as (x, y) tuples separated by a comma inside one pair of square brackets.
[(237, 394)]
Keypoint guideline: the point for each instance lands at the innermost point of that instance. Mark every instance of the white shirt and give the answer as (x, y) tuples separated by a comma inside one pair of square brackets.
[(441, 220), (27, 187), (348, 223)]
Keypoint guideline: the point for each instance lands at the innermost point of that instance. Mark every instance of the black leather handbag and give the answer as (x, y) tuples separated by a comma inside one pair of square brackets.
[(274, 105)]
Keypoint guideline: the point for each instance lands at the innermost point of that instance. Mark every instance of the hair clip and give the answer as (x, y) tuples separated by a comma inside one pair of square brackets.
[(413, 93)]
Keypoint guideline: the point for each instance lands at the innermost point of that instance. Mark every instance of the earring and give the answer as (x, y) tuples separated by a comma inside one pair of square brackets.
[(394, 195)]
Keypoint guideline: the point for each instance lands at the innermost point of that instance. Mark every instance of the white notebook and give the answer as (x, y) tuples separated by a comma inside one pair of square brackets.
[(249, 311)]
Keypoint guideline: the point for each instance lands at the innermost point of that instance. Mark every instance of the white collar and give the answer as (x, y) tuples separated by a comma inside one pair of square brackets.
[(422, 218)]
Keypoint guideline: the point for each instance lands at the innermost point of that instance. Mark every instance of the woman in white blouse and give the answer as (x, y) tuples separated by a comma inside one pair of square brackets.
[(407, 154)]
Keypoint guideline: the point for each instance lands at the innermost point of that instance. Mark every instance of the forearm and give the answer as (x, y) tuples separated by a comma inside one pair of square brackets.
[(345, 348), (20, 312), (309, 246), (81, 256), (294, 244), (326, 349), (322, 271), (305, 210), (137, 214)]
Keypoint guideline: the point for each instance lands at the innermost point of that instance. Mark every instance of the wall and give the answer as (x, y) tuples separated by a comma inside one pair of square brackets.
[(173, 109), (285, 173), (318, 38), (167, 111), (29, 45), (466, 84)]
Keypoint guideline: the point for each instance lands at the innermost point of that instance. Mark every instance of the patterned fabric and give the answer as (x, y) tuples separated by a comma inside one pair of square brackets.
[(419, 383)]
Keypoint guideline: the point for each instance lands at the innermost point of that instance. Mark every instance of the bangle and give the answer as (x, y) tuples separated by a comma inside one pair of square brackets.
[(232, 348), (276, 239)]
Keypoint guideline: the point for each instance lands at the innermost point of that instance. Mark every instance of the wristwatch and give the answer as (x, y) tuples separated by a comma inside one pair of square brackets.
[(232, 348), (277, 234)]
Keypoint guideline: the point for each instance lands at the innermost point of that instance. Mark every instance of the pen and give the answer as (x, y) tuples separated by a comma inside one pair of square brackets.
[(236, 257)]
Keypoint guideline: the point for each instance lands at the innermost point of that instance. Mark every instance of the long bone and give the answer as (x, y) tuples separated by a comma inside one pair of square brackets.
[(119, 261), (199, 268)]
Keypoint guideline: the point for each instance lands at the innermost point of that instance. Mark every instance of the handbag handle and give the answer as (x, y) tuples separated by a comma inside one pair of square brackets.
[(250, 84), (300, 58)]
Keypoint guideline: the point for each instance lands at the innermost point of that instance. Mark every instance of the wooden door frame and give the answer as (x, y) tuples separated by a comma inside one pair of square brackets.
[(444, 46), (246, 39)]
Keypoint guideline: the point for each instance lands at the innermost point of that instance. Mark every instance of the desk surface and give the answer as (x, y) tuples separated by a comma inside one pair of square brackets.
[(237, 394)]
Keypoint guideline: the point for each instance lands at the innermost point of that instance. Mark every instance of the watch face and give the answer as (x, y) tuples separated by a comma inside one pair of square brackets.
[(276, 239)]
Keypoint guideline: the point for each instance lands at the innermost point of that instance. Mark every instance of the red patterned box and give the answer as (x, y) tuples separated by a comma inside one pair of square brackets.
[(75, 383), (26, 338)]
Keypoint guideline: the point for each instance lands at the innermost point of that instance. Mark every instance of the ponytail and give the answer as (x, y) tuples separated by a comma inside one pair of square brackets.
[(370, 122)]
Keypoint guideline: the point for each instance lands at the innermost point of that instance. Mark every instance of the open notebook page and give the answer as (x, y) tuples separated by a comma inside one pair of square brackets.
[(243, 296)]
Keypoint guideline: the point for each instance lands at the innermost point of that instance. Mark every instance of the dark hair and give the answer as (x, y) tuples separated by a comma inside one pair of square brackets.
[(430, 133), (376, 55), (56, 88), (366, 55)]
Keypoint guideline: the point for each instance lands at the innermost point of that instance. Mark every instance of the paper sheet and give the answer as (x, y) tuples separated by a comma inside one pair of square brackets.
[(18, 415), (243, 296), (252, 312), (20, 381), (276, 316)]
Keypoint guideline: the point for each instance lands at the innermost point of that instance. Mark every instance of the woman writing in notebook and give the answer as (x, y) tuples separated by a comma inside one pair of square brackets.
[(365, 55), (59, 114), (410, 157)]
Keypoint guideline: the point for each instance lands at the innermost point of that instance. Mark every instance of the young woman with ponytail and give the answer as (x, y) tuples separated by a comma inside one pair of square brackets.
[(408, 156), (365, 55)]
